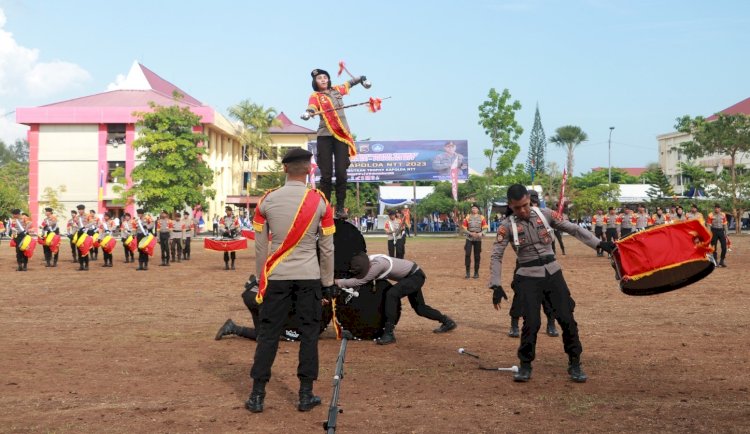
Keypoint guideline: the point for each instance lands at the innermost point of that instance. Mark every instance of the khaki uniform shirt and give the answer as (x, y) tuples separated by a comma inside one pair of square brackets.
[(534, 242), (393, 229), (379, 264), (279, 208), (642, 220)]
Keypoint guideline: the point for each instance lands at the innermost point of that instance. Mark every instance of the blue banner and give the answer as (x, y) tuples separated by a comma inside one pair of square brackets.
[(422, 160)]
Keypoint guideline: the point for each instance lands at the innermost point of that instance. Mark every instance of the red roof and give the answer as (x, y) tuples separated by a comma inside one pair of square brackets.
[(122, 98), (287, 127), (742, 107), (632, 171)]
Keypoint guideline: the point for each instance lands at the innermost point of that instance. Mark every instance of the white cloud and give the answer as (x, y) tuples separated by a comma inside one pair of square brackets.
[(9, 129), (22, 74), (118, 83)]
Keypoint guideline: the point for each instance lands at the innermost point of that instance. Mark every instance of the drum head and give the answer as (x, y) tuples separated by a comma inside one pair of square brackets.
[(347, 242), (670, 279)]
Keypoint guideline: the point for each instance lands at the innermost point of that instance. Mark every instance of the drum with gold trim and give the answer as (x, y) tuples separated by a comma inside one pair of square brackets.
[(147, 244), (663, 258), (108, 243)]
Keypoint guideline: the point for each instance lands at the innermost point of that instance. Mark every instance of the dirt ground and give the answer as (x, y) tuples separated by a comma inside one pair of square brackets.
[(115, 350)]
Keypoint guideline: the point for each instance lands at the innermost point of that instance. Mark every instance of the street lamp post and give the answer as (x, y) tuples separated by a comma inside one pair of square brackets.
[(610, 154)]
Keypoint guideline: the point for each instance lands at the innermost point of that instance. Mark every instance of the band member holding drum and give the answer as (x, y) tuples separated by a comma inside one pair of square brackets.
[(144, 225), (409, 280), (717, 223), (127, 230), (334, 140), (91, 229), (107, 228), (49, 226), (538, 276), (19, 227), (597, 223), (299, 266), (71, 229), (229, 227), (473, 227)]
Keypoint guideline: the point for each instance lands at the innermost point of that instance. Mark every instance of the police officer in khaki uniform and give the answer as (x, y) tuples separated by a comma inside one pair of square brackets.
[(49, 225), (176, 237), (229, 227), (19, 227), (71, 229), (164, 228), (717, 223), (394, 231), (188, 225), (297, 272), (642, 219), (611, 222), (694, 214), (144, 225), (473, 228), (597, 224), (538, 276), (627, 223)]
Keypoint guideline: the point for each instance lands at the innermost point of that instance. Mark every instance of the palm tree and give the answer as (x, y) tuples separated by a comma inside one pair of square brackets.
[(255, 121), (569, 136)]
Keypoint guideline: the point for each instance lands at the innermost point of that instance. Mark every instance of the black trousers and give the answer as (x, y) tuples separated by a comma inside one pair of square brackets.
[(396, 249), (73, 249), (624, 232), (186, 247), (532, 291), (558, 235), (107, 257), (84, 260), (611, 235), (330, 149), (142, 256), (516, 309), (476, 246), (48, 255), (126, 249), (175, 248), (599, 233), (718, 236), (273, 315), (411, 287), (164, 245), (228, 255), (21, 259)]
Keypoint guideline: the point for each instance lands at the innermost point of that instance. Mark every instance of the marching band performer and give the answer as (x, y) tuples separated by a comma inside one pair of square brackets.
[(93, 229), (82, 232), (176, 237), (72, 229), (20, 228), (127, 232), (107, 230), (164, 227), (49, 226), (717, 224), (473, 226), (229, 227), (145, 225), (335, 144), (597, 223)]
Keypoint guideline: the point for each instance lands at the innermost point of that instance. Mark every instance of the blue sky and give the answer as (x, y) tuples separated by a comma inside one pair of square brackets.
[(635, 65)]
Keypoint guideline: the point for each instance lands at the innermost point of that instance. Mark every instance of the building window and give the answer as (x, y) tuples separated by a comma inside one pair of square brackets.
[(115, 134), (112, 172), (269, 154), (245, 180)]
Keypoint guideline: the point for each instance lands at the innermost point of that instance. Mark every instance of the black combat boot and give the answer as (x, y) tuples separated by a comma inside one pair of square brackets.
[(524, 373), (513, 332), (47, 263), (20, 267), (140, 266), (468, 275), (576, 371), (229, 328), (54, 261), (307, 401), (226, 265), (341, 212), (476, 271), (25, 264), (232, 264), (446, 325), (551, 330), (388, 336), (255, 402)]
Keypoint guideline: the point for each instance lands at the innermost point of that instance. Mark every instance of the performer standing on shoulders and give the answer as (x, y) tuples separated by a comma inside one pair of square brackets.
[(717, 223), (229, 227), (296, 268), (335, 141), (538, 276), (473, 226)]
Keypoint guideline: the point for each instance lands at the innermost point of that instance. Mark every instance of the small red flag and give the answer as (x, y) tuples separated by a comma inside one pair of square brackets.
[(375, 104), (342, 67)]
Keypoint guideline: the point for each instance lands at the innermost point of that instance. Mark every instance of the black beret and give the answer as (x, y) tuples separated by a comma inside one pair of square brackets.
[(533, 193), (15, 211), (316, 72), (139, 211), (475, 205), (81, 206), (391, 212), (297, 154), (227, 208), (48, 209)]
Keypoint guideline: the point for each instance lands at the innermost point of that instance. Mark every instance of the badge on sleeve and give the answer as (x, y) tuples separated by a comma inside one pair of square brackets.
[(501, 233)]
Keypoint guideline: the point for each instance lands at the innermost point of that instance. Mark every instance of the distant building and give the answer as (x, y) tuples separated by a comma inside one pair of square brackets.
[(670, 155), (79, 142), (632, 171)]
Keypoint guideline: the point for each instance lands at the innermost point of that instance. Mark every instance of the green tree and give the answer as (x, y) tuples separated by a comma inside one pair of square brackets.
[(694, 177), (51, 198), (598, 177), (660, 186), (275, 177), (255, 121), (498, 118), (569, 137), (726, 135), (14, 186), (537, 146), (586, 201), (173, 173)]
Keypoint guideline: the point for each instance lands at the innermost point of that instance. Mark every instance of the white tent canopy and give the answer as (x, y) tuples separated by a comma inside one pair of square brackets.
[(393, 196), (634, 193)]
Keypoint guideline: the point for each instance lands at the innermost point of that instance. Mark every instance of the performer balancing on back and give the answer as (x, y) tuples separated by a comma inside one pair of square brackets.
[(538, 276), (335, 143)]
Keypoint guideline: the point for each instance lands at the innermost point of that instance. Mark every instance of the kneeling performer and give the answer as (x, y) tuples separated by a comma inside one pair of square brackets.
[(409, 279)]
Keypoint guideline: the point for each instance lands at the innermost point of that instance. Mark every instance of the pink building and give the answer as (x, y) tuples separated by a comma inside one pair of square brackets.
[(77, 144)]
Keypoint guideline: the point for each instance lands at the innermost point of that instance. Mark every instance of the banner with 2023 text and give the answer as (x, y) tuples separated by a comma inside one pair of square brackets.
[(420, 160)]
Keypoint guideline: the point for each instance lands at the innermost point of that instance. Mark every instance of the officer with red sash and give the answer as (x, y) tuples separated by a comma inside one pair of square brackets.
[(335, 140), (296, 216)]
